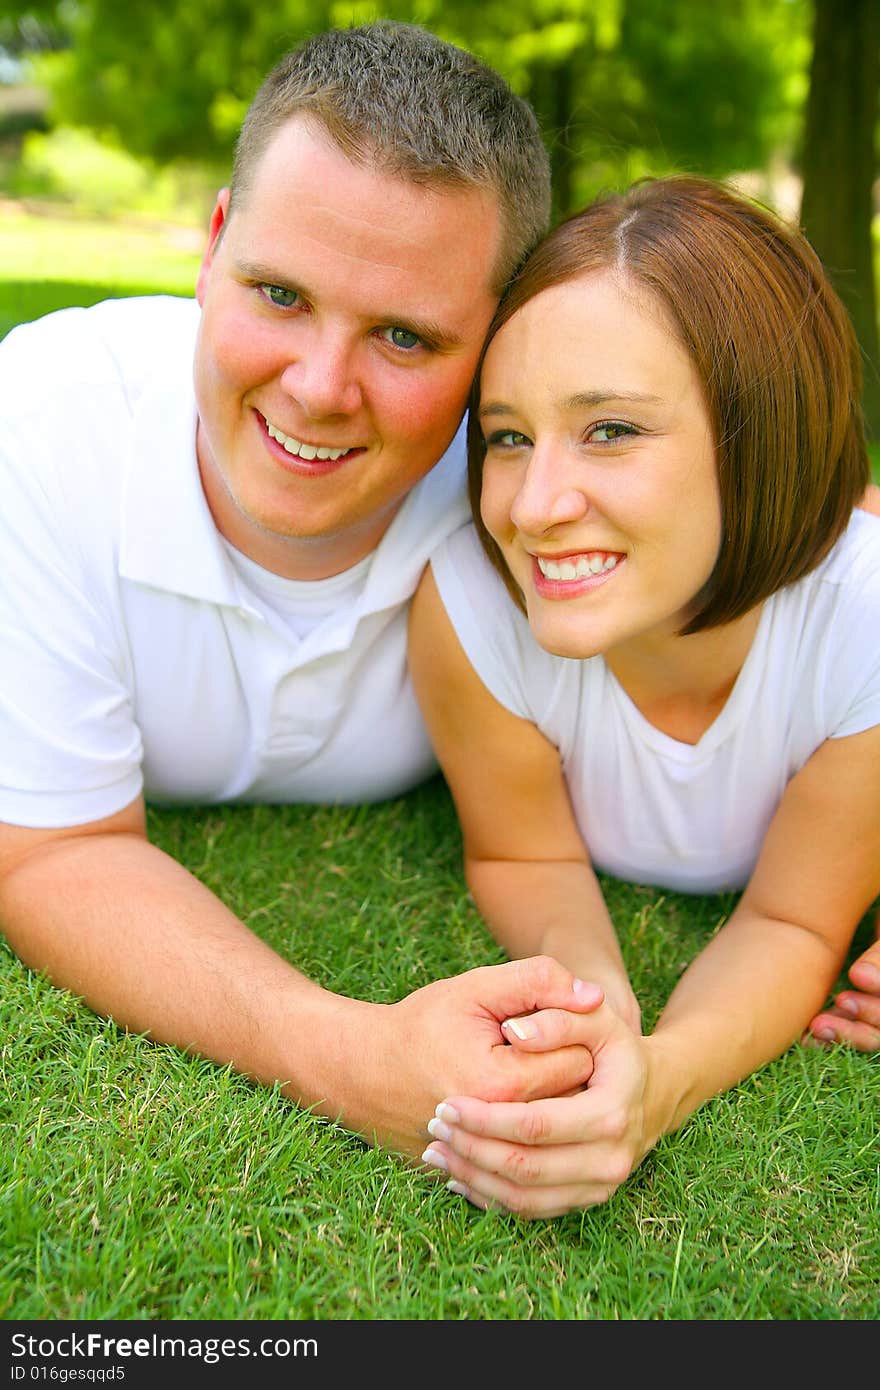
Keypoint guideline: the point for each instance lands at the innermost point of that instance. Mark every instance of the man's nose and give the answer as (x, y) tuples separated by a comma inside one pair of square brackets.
[(550, 493), (323, 379)]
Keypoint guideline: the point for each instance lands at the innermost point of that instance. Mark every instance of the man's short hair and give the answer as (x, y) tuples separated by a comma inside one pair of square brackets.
[(777, 358), (396, 97)]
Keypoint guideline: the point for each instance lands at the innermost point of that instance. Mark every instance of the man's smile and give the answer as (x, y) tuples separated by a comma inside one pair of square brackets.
[(301, 450)]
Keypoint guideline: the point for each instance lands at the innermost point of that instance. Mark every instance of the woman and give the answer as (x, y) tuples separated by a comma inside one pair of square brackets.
[(663, 661)]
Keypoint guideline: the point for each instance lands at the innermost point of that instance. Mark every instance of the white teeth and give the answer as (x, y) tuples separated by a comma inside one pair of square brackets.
[(303, 451), (594, 563)]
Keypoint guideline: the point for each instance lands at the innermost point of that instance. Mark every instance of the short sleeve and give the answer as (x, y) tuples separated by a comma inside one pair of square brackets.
[(494, 634), (70, 751), (853, 671)]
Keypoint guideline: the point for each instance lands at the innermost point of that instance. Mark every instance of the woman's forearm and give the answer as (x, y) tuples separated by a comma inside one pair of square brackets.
[(743, 1001), (557, 909)]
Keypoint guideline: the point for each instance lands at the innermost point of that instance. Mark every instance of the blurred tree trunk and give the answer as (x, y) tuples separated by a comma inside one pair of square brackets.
[(839, 166), (551, 93)]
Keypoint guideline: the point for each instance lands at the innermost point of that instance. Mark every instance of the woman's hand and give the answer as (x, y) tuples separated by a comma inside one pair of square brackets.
[(547, 1157), (447, 1038), (854, 1017)]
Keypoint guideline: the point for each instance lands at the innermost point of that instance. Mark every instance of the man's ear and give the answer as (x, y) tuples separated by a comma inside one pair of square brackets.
[(216, 225)]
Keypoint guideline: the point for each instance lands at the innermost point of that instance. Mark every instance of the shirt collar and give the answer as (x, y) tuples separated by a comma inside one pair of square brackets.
[(169, 539)]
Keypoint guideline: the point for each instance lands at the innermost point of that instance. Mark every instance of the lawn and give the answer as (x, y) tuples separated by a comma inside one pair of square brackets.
[(138, 1183), (50, 262)]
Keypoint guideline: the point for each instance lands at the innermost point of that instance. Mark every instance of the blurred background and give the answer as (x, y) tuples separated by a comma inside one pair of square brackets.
[(118, 119)]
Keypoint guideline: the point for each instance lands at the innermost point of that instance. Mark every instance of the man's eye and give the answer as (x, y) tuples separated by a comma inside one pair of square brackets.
[(401, 338), (611, 430), (279, 296), (507, 439)]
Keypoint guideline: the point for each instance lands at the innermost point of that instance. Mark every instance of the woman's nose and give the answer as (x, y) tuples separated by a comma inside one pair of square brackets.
[(548, 495)]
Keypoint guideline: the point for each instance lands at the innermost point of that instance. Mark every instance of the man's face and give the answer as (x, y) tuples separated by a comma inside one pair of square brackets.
[(343, 311)]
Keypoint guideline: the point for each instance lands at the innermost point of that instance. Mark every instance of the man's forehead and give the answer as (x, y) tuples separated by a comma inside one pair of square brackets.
[(303, 176), (369, 244)]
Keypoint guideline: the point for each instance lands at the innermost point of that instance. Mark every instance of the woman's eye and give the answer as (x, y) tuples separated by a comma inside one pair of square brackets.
[(507, 439), (611, 430), (401, 338), (279, 296)]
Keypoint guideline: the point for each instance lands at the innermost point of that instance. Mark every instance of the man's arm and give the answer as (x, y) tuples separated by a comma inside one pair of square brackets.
[(111, 917)]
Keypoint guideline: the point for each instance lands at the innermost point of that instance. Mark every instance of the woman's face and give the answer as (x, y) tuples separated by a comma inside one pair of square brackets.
[(599, 484)]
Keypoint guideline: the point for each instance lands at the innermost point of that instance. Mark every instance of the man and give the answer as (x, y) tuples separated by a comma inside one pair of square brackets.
[(214, 517)]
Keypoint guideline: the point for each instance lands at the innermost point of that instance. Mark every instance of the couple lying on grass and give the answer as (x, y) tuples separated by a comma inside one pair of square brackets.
[(654, 652)]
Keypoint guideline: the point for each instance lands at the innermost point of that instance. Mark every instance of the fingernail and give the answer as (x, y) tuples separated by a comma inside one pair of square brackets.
[(457, 1187), (825, 1034), (438, 1130), (869, 975), (586, 992), (447, 1112), (848, 1006), (435, 1159), (523, 1028)]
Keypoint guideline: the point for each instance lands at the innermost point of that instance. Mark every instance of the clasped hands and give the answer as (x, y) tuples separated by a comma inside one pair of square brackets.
[(547, 1108)]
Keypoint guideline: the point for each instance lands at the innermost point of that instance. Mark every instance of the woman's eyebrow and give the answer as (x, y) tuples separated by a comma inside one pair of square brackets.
[(601, 397), (578, 401)]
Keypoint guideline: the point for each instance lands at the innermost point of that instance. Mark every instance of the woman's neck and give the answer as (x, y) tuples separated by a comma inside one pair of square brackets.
[(681, 684)]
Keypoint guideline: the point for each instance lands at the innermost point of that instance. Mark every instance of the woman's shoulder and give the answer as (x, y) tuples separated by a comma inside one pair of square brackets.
[(853, 563), (468, 583), (494, 631)]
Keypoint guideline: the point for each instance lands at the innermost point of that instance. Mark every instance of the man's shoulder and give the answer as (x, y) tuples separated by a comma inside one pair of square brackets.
[(122, 342)]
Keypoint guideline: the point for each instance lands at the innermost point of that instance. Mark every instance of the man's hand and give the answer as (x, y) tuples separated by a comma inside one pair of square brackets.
[(549, 1156), (447, 1039), (854, 1017)]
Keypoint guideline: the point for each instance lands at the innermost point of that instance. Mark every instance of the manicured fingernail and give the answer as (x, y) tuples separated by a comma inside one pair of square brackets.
[(435, 1159), (457, 1187), (438, 1130), (523, 1028), (447, 1112), (825, 1034)]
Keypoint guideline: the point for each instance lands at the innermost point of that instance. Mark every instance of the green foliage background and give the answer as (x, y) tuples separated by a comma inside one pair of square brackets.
[(621, 86)]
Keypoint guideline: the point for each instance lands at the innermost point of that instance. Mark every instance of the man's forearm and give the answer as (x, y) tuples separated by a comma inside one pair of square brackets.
[(124, 926)]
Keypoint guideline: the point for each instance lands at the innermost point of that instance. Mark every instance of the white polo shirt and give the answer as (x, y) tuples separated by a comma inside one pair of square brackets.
[(134, 654)]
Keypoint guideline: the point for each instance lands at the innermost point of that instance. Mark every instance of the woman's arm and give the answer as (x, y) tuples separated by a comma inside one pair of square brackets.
[(742, 1002), (525, 861)]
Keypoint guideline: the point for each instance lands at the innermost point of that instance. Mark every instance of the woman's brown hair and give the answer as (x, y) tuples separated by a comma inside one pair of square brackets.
[(774, 349)]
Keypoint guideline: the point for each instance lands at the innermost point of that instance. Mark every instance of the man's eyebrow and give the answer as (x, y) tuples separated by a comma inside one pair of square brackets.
[(578, 401), (427, 329)]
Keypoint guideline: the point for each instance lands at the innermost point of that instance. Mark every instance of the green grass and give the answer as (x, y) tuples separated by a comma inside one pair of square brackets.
[(52, 262), (139, 1183)]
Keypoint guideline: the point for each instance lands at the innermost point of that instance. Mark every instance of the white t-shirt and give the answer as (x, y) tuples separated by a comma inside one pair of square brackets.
[(651, 809), (136, 655)]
